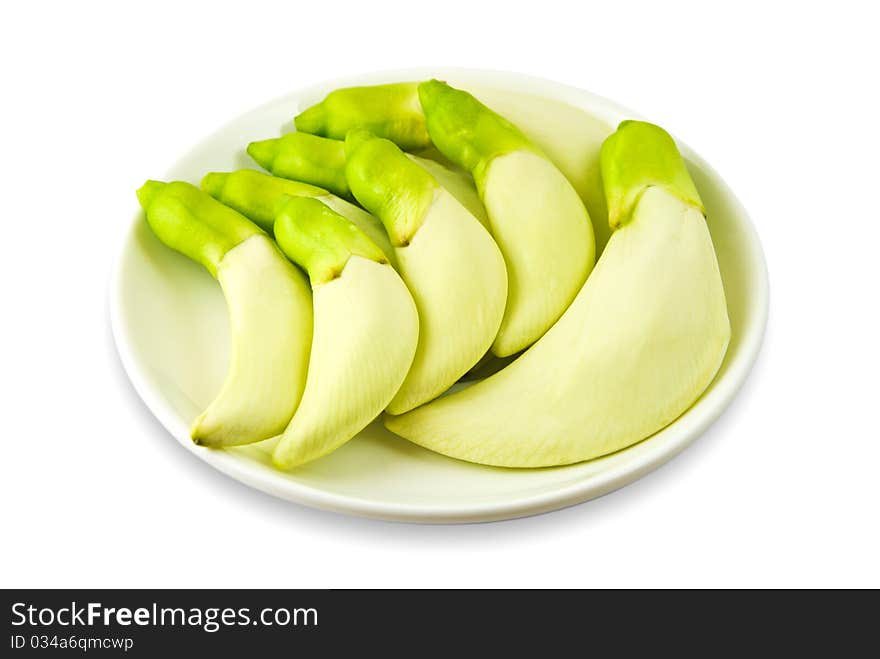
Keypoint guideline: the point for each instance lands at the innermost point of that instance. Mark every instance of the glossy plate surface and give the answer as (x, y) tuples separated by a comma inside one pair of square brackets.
[(171, 328)]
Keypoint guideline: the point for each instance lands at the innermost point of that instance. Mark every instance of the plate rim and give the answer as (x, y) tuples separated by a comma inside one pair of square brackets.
[(660, 449)]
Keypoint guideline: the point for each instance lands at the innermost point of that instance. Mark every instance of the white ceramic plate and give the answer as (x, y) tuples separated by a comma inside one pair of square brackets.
[(171, 328)]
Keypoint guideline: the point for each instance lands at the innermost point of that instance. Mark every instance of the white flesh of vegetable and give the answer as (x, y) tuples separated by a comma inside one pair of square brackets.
[(457, 278), (365, 336), (270, 315), (545, 234)]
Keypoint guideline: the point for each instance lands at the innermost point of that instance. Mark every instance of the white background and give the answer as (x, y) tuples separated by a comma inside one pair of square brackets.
[(781, 99)]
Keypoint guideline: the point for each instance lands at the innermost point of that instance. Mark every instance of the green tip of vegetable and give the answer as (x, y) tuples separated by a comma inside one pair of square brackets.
[(635, 157), (263, 152), (320, 240), (388, 184), (192, 222), (311, 120), (214, 182), (467, 132), (355, 138), (148, 191), (390, 111), (431, 91)]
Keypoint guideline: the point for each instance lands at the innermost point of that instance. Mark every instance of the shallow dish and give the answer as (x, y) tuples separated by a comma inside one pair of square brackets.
[(171, 328)]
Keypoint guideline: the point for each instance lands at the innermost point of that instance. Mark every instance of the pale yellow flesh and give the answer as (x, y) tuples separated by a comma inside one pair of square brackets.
[(640, 343), (570, 137), (458, 183), (363, 220), (457, 278), (270, 315), (366, 331), (546, 237)]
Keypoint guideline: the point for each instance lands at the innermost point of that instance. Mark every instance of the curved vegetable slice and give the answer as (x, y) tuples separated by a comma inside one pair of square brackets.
[(448, 260), (535, 215), (365, 336), (639, 344), (270, 312)]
